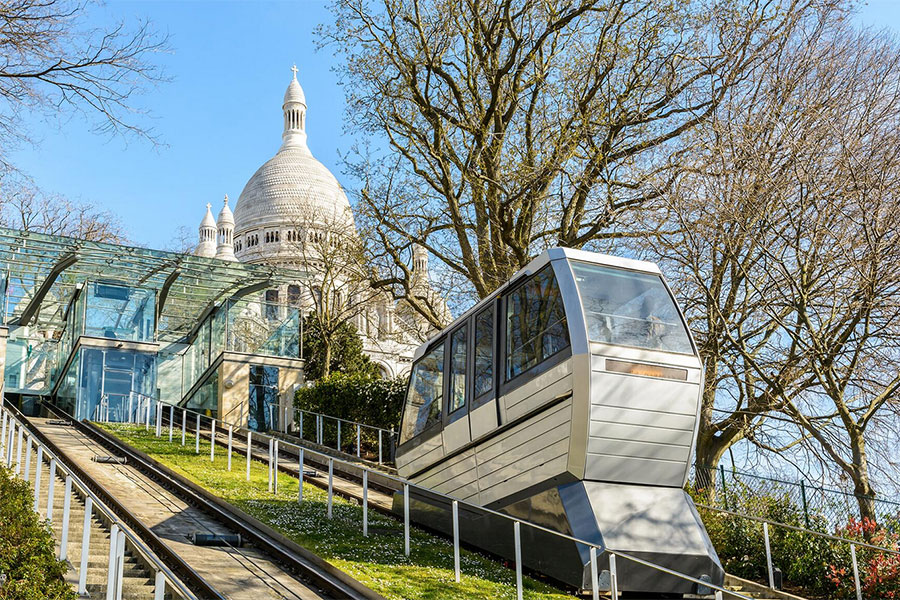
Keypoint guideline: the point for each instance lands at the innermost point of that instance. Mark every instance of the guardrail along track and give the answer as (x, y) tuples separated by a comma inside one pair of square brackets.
[(172, 509)]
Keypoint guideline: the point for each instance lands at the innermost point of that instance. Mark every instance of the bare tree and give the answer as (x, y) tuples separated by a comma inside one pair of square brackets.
[(514, 125), (785, 251), (23, 206), (53, 62)]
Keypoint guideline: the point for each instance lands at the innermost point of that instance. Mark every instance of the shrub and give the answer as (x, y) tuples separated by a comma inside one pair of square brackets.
[(879, 572), (26, 547)]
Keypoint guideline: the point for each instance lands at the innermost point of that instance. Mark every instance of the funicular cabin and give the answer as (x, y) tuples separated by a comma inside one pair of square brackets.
[(568, 398)]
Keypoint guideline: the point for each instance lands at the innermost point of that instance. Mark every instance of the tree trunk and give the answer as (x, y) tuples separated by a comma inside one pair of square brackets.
[(326, 365), (862, 486)]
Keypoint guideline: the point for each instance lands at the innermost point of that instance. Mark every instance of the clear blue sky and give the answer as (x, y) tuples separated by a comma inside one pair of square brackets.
[(219, 117)]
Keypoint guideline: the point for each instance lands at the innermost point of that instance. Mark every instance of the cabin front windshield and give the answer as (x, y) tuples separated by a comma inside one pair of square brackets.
[(626, 308), (423, 399)]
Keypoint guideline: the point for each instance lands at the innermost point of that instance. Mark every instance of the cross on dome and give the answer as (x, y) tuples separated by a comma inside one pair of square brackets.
[(294, 69), (208, 206), (226, 199)]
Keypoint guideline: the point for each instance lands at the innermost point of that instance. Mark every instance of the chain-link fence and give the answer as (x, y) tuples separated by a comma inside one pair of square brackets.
[(815, 506)]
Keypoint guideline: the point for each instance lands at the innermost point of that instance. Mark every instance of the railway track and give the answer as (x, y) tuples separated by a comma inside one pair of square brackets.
[(165, 511)]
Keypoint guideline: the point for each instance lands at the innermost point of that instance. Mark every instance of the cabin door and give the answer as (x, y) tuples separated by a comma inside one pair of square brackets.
[(483, 352), (456, 413)]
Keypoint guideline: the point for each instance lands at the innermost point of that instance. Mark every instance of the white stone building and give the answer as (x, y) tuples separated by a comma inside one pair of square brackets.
[(286, 213)]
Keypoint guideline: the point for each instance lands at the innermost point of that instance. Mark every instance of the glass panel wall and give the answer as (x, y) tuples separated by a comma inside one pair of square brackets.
[(118, 312), (263, 413), (205, 399), (30, 361)]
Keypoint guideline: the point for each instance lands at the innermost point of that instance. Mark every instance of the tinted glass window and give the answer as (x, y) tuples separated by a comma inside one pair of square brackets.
[(423, 399), (484, 352), (457, 395), (536, 327), (630, 309)]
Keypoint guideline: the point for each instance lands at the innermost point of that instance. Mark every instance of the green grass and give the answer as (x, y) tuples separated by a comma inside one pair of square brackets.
[(377, 561)]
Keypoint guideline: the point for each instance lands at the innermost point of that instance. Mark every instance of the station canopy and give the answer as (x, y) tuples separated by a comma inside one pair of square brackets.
[(42, 272)]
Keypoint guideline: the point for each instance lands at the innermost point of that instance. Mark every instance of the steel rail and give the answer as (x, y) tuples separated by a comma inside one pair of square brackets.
[(145, 535), (277, 546)]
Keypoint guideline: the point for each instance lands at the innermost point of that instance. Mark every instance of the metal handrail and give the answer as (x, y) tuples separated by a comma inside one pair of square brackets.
[(406, 484), (342, 420), (148, 555)]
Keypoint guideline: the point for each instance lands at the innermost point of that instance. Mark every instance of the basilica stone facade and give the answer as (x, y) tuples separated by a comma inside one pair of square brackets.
[(290, 212)]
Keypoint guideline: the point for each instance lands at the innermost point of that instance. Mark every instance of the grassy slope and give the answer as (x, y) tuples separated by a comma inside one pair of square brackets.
[(377, 561)]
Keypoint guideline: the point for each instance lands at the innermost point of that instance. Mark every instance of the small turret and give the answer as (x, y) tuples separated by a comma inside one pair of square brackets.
[(207, 245), (225, 226), (294, 108)]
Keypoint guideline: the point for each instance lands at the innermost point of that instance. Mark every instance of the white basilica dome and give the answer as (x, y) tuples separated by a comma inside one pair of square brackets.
[(291, 192)]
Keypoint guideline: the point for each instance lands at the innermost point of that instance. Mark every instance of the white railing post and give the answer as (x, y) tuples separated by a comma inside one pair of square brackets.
[(301, 424), (769, 556), (197, 441), (275, 468), (111, 565), (51, 481), (159, 587), (406, 519), (3, 436), (183, 425), (9, 443), (338, 447), (300, 486), (330, 485), (456, 570), (518, 542), (19, 449), (230, 433), (120, 564), (379, 446), (212, 441), (85, 547), (132, 417), (27, 458), (595, 579), (249, 446), (613, 578), (358, 432), (37, 478), (319, 429), (171, 421), (859, 595), (365, 503), (718, 594), (146, 413), (67, 511), (158, 418), (271, 443)]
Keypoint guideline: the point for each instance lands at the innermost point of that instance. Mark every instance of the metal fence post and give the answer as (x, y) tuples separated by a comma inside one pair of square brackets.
[(3, 436), (339, 435), (379, 446), (456, 573), (406, 518), (171, 421), (270, 465), (19, 449), (330, 485), (197, 441), (724, 489), (275, 468), (51, 480), (146, 414), (158, 418), (319, 429), (358, 432), (300, 472), (212, 441), (120, 562), (365, 503), (27, 458), (111, 567), (67, 510), (805, 506), (249, 447), (37, 478), (769, 556), (229, 446), (595, 579), (518, 542), (159, 587), (301, 424), (183, 424), (859, 595), (85, 547), (613, 578)]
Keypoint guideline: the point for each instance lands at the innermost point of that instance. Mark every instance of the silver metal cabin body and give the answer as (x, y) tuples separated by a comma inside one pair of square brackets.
[(568, 398)]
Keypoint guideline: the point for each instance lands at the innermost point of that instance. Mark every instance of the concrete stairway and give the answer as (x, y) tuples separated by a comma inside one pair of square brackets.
[(137, 581), (752, 589)]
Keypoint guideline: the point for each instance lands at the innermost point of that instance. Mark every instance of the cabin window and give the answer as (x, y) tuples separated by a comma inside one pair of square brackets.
[(423, 401), (630, 309), (457, 396), (536, 327), (484, 352)]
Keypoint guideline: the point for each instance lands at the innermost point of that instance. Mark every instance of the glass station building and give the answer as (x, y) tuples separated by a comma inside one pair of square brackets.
[(107, 331)]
